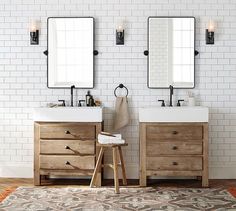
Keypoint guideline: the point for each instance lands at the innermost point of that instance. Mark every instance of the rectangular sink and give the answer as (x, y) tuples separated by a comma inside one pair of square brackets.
[(174, 114), (68, 114)]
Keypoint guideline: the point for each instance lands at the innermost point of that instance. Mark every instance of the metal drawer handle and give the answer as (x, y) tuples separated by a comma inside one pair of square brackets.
[(174, 147), (67, 163), (174, 132), (67, 147), (175, 163), (67, 132)]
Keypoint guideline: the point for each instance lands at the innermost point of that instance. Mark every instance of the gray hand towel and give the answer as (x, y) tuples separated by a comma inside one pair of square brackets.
[(121, 113)]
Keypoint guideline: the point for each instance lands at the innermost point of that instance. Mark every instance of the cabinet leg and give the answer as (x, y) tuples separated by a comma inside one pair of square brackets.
[(37, 179), (205, 182), (142, 179)]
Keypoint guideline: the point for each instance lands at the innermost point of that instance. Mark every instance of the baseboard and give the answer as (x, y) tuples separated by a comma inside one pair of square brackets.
[(132, 172), (228, 172), (16, 171)]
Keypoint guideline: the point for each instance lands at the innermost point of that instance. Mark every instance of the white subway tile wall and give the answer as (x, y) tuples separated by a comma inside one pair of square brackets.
[(23, 73)]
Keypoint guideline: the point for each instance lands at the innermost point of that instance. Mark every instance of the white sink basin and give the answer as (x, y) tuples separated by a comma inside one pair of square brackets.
[(68, 114), (174, 114)]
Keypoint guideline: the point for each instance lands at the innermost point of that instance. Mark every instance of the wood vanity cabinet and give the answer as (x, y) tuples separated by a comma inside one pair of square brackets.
[(65, 149), (173, 149)]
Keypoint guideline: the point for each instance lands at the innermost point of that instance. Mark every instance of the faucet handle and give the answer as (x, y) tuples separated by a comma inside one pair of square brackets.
[(163, 103), (63, 102), (178, 104)]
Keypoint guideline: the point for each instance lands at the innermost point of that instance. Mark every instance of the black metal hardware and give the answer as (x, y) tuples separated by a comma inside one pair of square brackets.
[(210, 37), (67, 147), (67, 132), (174, 147), (174, 163), (80, 103), (121, 86), (174, 132), (178, 104), (146, 52), (171, 94), (163, 103), (196, 52), (95, 52), (67, 163), (63, 102), (34, 37), (120, 35), (71, 95), (45, 52)]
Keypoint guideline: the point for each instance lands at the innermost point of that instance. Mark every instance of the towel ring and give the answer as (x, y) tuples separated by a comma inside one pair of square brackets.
[(121, 86)]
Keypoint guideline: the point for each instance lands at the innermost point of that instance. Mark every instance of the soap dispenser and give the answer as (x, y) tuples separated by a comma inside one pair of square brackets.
[(87, 97)]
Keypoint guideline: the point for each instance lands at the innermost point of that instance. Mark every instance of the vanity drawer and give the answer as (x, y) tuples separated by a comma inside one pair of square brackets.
[(75, 147), (67, 162), (174, 148), (182, 132), (174, 163), (67, 131)]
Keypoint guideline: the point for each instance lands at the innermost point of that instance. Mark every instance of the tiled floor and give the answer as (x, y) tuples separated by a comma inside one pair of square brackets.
[(7, 182)]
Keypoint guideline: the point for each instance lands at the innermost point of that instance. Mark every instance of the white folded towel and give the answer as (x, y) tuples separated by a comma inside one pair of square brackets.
[(104, 139)]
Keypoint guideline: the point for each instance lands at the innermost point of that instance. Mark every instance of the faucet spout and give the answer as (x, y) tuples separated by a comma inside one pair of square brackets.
[(71, 95), (171, 94)]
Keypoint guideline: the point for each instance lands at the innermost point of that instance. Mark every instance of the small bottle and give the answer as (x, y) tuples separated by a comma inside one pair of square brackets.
[(91, 101), (87, 97)]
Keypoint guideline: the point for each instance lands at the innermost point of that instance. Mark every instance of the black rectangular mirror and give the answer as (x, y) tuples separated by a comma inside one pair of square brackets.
[(171, 49), (70, 52)]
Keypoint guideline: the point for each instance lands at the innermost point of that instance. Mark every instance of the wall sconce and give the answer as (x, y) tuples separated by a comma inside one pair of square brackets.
[(34, 33), (210, 33), (120, 35)]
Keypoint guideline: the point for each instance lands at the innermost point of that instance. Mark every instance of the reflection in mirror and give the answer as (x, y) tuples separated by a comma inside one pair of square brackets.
[(171, 52), (70, 52)]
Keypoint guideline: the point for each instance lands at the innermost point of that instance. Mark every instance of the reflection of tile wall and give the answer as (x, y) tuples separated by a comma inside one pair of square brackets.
[(23, 73), (159, 53)]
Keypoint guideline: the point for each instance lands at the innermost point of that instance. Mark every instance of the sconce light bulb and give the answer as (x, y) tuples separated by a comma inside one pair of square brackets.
[(33, 28), (211, 27), (120, 28)]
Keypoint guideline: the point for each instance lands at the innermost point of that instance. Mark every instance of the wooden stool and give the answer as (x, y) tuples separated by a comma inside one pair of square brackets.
[(115, 149)]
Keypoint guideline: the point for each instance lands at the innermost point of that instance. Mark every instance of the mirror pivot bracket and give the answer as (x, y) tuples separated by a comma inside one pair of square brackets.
[(95, 52), (146, 52)]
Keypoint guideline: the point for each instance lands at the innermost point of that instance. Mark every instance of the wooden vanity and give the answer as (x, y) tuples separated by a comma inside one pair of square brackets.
[(65, 149), (173, 149)]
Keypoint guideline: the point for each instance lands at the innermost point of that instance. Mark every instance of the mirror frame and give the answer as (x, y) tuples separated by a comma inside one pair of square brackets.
[(148, 51), (92, 53)]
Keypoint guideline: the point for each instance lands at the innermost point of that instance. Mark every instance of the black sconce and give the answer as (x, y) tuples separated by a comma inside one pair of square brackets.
[(120, 36), (34, 34), (34, 37), (210, 40)]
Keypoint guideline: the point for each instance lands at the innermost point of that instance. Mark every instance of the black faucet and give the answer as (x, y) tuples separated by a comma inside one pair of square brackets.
[(71, 95), (171, 94)]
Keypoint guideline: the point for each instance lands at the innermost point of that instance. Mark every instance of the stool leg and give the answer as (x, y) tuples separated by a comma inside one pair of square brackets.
[(98, 166), (115, 167), (122, 166)]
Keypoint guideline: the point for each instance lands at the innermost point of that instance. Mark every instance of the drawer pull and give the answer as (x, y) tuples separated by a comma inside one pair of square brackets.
[(67, 163), (175, 163), (174, 147), (67, 147), (67, 132), (174, 132)]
